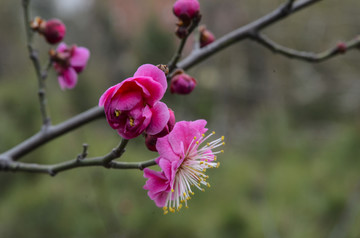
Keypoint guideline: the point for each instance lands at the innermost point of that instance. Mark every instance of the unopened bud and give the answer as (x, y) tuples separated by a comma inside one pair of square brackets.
[(186, 10), (206, 36), (341, 47), (182, 84), (164, 68), (53, 30)]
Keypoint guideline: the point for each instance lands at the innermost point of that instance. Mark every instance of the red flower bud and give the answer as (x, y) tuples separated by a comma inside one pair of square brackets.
[(182, 83), (54, 31), (341, 47), (186, 10), (206, 37)]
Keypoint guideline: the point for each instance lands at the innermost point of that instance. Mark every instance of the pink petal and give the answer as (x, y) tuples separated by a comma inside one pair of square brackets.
[(159, 198), (165, 150), (154, 72), (156, 182), (108, 94), (160, 117), (79, 58), (185, 131), (67, 78), (126, 101), (62, 47), (154, 88)]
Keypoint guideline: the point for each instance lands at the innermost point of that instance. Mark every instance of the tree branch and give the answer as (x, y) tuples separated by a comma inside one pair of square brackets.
[(41, 76), (340, 48), (15, 166), (244, 32), (52, 132)]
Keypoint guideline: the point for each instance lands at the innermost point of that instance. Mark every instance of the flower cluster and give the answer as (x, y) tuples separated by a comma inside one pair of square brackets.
[(184, 156), (68, 61)]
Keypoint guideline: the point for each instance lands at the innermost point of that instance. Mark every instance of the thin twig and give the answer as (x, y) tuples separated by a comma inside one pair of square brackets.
[(178, 53), (53, 132), (115, 153), (242, 33), (303, 55), (15, 166), (46, 122)]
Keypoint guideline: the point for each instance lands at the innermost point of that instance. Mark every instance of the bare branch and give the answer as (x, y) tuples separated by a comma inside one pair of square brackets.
[(41, 76), (243, 33), (307, 56), (53, 132), (176, 57)]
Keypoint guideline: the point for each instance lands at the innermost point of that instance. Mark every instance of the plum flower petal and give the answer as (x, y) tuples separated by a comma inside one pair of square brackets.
[(68, 78), (154, 72), (160, 117), (184, 157), (79, 58)]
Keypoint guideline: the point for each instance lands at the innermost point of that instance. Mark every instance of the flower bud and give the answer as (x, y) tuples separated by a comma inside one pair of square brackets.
[(206, 37), (341, 47), (182, 83), (53, 30), (150, 140), (186, 10)]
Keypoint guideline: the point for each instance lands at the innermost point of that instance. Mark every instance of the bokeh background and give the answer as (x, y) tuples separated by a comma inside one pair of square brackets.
[(292, 156)]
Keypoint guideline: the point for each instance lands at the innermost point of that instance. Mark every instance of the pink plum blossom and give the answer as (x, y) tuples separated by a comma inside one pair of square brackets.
[(133, 106), (68, 63), (183, 158)]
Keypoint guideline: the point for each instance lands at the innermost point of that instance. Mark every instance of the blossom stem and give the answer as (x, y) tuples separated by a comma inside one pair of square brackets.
[(178, 53), (41, 76)]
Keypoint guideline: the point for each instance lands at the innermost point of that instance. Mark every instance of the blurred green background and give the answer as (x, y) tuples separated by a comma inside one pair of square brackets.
[(292, 156)]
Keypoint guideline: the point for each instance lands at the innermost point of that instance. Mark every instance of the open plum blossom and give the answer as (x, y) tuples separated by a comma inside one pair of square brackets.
[(133, 106), (69, 61), (183, 158)]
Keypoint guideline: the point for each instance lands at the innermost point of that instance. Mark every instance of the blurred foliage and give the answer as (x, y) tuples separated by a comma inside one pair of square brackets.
[(291, 167)]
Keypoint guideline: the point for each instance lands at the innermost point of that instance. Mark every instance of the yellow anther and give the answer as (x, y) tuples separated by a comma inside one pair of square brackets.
[(215, 158), (223, 143), (166, 212), (206, 160), (172, 190), (184, 194), (202, 135), (208, 185), (201, 162), (223, 138), (131, 121), (180, 206), (194, 137), (188, 198), (197, 142), (165, 208), (171, 209), (186, 206), (222, 151), (192, 193), (204, 170), (213, 132), (117, 113), (208, 144), (218, 164), (203, 190), (182, 201)]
